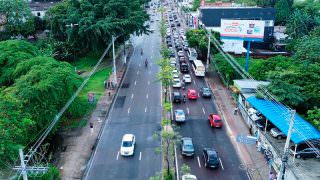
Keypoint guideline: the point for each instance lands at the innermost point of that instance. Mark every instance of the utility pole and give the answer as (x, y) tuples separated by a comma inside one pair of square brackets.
[(23, 165), (284, 158), (114, 63), (208, 55), (124, 51)]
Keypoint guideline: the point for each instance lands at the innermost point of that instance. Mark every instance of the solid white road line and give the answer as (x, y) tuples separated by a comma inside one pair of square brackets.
[(221, 164), (128, 110), (176, 159), (199, 162), (118, 155), (145, 109), (135, 82), (131, 95), (188, 110), (147, 96), (204, 112)]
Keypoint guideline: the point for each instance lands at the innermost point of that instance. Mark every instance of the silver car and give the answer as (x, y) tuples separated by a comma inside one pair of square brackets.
[(276, 133), (179, 115)]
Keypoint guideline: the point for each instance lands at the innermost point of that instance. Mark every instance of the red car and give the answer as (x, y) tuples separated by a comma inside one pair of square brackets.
[(192, 94), (215, 120)]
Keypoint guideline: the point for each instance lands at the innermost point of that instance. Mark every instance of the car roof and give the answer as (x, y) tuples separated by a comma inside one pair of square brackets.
[(192, 90), (211, 152), (215, 116), (179, 111), (176, 93), (127, 137), (187, 75), (187, 141)]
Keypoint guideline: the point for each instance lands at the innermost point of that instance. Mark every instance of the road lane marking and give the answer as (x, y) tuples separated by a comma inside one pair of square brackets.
[(140, 156), (118, 155), (199, 162), (148, 82), (188, 110), (135, 82), (131, 95), (145, 109), (198, 95), (204, 112), (147, 96), (139, 64), (137, 72), (128, 110), (194, 82), (221, 164)]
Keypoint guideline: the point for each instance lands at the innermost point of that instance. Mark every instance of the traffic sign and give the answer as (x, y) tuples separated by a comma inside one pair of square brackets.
[(246, 139)]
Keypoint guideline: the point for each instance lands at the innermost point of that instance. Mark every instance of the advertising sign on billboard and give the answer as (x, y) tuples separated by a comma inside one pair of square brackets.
[(248, 30)]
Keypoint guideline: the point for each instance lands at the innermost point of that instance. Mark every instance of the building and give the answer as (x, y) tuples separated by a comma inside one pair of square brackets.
[(39, 9), (211, 16), (3, 21)]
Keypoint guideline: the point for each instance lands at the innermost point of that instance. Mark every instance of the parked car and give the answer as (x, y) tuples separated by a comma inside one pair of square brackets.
[(192, 94), (179, 115), (176, 97), (188, 177), (211, 158), (205, 92), (187, 148), (262, 124), (306, 152), (215, 120), (275, 132), (187, 78), (127, 145), (173, 63)]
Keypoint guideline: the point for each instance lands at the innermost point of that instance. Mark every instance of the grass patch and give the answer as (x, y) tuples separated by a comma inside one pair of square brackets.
[(95, 84), (86, 63)]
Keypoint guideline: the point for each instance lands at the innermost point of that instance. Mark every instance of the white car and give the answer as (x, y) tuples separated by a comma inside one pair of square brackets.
[(175, 71), (176, 36), (176, 83), (180, 115), (175, 76), (127, 145), (189, 177), (180, 53), (187, 78)]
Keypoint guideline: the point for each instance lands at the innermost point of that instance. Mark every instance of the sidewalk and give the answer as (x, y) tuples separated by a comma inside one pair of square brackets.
[(80, 143), (252, 161)]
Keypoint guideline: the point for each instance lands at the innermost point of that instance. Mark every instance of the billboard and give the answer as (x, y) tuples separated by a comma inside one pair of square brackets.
[(247, 30)]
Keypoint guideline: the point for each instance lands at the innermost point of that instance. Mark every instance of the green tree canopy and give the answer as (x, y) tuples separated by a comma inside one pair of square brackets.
[(20, 21), (97, 21), (308, 49), (45, 87), (283, 11), (16, 127), (13, 52)]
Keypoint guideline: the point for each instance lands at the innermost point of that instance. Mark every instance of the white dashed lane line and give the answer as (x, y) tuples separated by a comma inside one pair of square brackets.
[(199, 162), (132, 96), (147, 96), (140, 156), (128, 110), (135, 82), (188, 111), (138, 72), (145, 109), (221, 164), (118, 155), (204, 112)]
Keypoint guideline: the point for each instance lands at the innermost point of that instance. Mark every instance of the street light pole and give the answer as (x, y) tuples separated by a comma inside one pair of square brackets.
[(286, 146), (114, 63), (208, 55)]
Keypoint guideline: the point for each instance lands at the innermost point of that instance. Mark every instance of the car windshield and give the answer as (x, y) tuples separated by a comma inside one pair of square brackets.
[(179, 113), (212, 155), (217, 120), (126, 143), (188, 146)]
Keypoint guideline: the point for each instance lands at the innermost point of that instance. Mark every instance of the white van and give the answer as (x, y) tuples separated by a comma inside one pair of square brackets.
[(192, 54)]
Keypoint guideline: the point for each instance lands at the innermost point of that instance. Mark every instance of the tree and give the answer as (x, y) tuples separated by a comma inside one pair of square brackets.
[(283, 11), (308, 49), (286, 92), (314, 117), (97, 21), (195, 5), (20, 21), (16, 127), (300, 23), (44, 85), (185, 169), (12, 52), (165, 74)]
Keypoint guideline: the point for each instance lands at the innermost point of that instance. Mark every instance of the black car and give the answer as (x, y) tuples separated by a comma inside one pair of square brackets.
[(211, 158), (176, 97), (262, 124), (306, 152), (205, 92), (187, 148), (184, 67)]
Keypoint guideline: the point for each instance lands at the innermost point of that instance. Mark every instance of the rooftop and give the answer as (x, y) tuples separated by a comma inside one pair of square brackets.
[(41, 6)]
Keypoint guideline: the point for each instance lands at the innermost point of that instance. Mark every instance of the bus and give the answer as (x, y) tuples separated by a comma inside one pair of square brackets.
[(192, 54), (198, 68)]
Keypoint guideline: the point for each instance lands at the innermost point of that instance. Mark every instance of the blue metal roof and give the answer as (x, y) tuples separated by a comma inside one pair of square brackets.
[(280, 116)]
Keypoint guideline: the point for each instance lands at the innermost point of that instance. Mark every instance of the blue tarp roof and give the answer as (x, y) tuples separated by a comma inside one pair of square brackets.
[(280, 116)]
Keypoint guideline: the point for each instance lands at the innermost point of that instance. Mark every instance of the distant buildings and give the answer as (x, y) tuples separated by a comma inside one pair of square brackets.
[(39, 9)]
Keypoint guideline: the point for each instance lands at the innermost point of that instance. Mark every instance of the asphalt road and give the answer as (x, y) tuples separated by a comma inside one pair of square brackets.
[(197, 127), (136, 110)]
